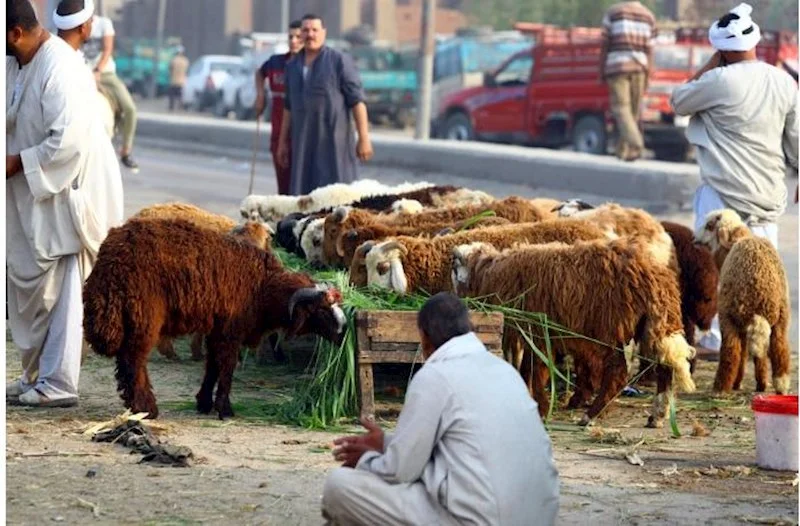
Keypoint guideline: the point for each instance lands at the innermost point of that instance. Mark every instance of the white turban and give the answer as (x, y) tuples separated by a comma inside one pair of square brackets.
[(67, 22), (732, 37)]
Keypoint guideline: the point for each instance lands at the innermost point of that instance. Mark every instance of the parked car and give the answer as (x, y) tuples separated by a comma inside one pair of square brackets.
[(205, 79)]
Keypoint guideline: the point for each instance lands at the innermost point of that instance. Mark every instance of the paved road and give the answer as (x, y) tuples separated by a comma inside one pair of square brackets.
[(219, 183)]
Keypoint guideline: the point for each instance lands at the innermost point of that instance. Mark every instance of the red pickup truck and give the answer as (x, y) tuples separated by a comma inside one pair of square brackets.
[(552, 94)]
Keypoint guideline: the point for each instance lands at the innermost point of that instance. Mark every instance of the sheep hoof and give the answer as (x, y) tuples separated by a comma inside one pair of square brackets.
[(224, 409), (204, 405), (585, 420), (654, 423)]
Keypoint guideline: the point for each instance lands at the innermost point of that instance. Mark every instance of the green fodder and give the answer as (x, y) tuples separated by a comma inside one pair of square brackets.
[(331, 392)]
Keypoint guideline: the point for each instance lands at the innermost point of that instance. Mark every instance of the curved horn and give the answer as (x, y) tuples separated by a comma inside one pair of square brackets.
[(365, 247), (352, 234), (340, 214), (394, 245), (303, 296)]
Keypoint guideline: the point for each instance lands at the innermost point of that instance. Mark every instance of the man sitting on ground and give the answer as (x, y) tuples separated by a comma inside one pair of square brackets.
[(469, 447)]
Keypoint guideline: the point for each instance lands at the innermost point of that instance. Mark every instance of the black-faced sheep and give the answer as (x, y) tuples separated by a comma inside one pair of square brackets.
[(607, 290), (156, 278), (411, 264), (754, 307)]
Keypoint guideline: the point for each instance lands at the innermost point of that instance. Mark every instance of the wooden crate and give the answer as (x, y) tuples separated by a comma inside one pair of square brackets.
[(392, 337)]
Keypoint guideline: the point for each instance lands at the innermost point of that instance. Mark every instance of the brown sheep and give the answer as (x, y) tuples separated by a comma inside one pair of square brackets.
[(609, 291), (410, 264), (156, 278), (514, 209), (754, 306), (350, 240), (699, 280), (253, 231)]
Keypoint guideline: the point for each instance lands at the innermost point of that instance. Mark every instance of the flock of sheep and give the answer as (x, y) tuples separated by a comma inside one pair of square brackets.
[(615, 275)]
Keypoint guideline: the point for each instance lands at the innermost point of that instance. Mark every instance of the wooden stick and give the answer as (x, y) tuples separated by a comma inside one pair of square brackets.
[(255, 151), (54, 454)]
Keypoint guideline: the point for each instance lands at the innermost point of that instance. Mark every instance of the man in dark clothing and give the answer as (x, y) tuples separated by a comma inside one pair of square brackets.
[(274, 71), (323, 86)]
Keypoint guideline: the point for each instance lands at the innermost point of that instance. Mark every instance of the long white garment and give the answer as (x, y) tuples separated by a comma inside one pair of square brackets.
[(706, 200), (56, 370), (470, 436), (70, 191)]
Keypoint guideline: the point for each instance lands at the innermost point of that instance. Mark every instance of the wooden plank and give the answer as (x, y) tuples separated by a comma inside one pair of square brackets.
[(367, 390), (401, 326), (401, 356)]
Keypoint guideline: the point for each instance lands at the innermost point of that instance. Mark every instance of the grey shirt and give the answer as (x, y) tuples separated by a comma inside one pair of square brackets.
[(470, 432), (744, 124)]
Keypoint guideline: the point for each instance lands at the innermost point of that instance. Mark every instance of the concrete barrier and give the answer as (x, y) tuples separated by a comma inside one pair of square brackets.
[(644, 180)]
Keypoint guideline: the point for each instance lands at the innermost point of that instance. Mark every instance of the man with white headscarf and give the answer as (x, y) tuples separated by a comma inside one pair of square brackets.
[(63, 192), (744, 125)]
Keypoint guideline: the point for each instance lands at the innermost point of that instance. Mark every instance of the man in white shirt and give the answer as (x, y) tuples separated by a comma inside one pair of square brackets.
[(744, 125), (63, 193), (98, 52), (469, 447)]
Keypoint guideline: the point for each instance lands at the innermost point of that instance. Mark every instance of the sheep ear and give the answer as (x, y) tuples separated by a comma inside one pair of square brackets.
[(305, 202), (583, 205), (559, 207), (724, 238)]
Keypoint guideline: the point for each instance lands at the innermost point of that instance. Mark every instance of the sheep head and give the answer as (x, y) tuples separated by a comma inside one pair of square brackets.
[(311, 241), (285, 229), (407, 206), (255, 233), (249, 208), (332, 232), (572, 207), (385, 266), (460, 265), (272, 208), (317, 310), (358, 267), (720, 230)]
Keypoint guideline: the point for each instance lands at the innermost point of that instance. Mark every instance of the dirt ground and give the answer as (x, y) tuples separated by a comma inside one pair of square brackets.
[(250, 471)]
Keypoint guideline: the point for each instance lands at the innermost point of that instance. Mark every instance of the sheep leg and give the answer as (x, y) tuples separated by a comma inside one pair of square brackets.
[(762, 374), (197, 347), (779, 356), (584, 387), (730, 355), (661, 398), (133, 382), (204, 397), (166, 349), (689, 333), (614, 376), (277, 352), (227, 358)]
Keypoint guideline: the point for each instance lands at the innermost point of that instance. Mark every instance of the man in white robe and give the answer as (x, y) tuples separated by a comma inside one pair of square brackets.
[(744, 125), (469, 447), (63, 193)]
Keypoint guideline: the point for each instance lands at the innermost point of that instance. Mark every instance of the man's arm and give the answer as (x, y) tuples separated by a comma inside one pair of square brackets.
[(701, 92), (410, 448), (108, 44), (51, 165), (260, 100), (790, 137), (351, 88)]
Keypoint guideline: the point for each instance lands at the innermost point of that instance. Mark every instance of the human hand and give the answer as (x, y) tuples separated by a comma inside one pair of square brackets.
[(260, 104), (97, 76), (364, 148), (350, 449), (13, 165), (283, 154)]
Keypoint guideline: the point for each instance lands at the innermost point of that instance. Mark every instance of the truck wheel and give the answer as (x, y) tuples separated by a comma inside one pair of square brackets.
[(676, 153), (458, 128), (589, 135)]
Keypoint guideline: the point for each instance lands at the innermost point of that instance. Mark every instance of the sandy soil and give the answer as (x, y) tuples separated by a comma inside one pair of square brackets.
[(253, 472)]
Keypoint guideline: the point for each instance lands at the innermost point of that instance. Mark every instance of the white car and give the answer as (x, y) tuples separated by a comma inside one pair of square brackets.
[(206, 77)]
